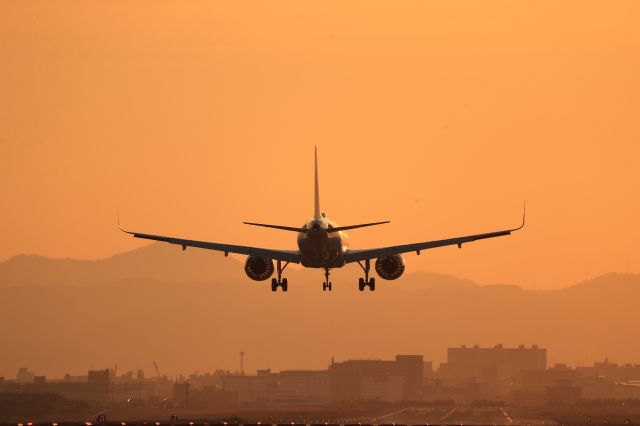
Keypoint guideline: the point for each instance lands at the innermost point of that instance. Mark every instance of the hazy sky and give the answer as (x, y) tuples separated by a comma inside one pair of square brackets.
[(439, 116)]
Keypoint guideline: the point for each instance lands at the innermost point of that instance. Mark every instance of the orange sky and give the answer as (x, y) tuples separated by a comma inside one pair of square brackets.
[(440, 116)]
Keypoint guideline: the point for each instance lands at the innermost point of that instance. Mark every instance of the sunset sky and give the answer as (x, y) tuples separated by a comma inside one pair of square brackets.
[(442, 117)]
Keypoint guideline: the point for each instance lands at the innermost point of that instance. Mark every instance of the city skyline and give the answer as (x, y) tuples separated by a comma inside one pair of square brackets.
[(481, 376), (150, 372)]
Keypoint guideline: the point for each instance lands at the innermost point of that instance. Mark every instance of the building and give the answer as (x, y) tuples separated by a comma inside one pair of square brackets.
[(491, 365), (613, 371), (541, 379), (305, 386), (556, 385), (24, 376), (387, 389), (95, 388), (347, 378), (427, 371), (563, 394), (181, 393), (286, 387)]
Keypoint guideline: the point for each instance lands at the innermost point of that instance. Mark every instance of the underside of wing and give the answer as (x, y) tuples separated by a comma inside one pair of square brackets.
[(375, 253), (284, 255), (358, 255)]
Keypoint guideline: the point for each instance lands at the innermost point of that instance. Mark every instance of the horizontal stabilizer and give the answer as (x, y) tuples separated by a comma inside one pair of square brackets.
[(362, 225), (284, 228)]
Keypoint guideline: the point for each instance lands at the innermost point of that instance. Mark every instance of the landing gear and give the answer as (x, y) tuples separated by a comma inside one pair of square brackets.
[(366, 281), (280, 282), (326, 285), (275, 284)]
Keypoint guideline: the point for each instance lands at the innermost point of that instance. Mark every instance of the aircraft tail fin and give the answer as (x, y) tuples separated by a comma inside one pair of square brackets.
[(316, 210)]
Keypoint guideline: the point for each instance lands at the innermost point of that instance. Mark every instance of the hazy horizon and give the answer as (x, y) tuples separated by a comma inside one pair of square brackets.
[(318, 272), (196, 310)]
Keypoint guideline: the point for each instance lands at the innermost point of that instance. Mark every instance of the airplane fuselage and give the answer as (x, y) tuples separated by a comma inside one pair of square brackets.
[(320, 248)]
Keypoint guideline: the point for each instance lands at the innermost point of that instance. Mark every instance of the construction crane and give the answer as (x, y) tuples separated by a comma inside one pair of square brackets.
[(155, 365)]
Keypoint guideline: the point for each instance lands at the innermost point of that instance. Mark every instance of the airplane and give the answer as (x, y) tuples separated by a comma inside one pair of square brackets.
[(323, 244)]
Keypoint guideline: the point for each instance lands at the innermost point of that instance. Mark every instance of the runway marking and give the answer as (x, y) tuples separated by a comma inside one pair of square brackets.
[(449, 413), (392, 414), (504, 413)]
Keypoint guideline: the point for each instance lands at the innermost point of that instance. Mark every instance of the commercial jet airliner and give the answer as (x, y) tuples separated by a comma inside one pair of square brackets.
[(323, 244)]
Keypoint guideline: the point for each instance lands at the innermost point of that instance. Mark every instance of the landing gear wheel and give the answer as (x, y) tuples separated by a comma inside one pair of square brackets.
[(326, 285), (280, 282), (366, 281)]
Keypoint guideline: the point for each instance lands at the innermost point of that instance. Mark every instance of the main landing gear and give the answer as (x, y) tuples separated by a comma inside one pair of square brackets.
[(280, 282), (366, 281), (326, 285)]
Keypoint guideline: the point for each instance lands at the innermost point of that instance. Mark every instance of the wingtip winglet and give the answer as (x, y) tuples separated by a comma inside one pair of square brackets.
[(524, 216), (120, 226)]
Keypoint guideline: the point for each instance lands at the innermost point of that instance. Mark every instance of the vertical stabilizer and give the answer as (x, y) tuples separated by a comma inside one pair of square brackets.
[(316, 210)]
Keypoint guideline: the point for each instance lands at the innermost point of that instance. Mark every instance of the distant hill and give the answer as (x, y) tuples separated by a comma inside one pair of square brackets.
[(196, 310), (161, 262), (156, 261)]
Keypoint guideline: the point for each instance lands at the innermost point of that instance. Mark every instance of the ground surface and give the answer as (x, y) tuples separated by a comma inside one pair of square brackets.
[(459, 416)]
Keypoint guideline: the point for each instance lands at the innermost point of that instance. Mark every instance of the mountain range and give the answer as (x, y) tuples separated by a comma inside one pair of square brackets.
[(196, 310)]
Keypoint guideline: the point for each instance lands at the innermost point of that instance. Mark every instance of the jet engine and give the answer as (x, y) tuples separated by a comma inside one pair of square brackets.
[(258, 268), (390, 267)]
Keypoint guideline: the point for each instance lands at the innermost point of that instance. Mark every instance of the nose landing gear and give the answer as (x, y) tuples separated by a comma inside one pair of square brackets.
[(366, 281), (326, 285), (280, 282)]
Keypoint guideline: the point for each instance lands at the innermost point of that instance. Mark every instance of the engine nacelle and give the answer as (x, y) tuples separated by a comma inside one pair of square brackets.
[(390, 267), (258, 268)]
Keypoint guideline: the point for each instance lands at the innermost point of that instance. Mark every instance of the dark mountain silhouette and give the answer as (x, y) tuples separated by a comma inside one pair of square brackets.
[(196, 310)]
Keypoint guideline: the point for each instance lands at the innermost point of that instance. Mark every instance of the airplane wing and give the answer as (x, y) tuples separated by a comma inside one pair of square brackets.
[(375, 253), (284, 255)]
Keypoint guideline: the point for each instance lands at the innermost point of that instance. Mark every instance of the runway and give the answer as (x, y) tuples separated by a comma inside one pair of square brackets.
[(458, 416)]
